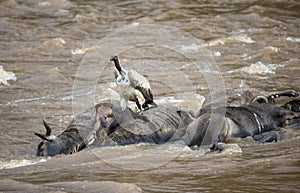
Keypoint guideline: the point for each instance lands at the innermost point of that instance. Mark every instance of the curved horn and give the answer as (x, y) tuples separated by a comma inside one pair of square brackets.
[(48, 128), (260, 99), (44, 137)]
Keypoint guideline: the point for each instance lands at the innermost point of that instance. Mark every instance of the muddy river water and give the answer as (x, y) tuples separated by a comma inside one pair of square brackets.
[(59, 51)]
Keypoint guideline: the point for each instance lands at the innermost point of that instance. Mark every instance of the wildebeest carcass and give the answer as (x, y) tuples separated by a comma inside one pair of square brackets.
[(156, 125), (257, 117), (72, 139), (67, 142), (109, 125)]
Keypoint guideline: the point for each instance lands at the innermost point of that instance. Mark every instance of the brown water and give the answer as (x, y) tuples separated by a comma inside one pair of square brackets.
[(254, 44)]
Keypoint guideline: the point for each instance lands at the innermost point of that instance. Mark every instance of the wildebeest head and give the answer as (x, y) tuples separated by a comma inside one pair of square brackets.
[(293, 105), (106, 117), (281, 115), (67, 142), (49, 146)]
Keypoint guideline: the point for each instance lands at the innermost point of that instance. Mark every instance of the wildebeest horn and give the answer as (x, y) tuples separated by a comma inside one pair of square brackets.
[(48, 128), (44, 137), (47, 136), (260, 99)]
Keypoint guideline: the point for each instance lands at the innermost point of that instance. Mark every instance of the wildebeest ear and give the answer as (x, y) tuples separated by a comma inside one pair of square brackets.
[(44, 137), (48, 128)]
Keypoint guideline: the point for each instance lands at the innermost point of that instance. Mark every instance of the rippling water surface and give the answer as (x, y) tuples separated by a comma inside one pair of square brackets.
[(254, 44)]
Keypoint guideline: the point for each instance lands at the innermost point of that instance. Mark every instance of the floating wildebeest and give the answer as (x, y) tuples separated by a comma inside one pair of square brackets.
[(156, 125), (107, 124), (256, 120), (68, 142), (243, 116)]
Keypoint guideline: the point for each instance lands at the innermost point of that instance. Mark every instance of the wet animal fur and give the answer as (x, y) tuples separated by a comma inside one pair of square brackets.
[(157, 125), (107, 124), (249, 120), (67, 142)]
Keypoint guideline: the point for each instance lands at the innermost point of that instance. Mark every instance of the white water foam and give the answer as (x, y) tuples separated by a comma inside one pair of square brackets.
[(20, 163), (297, 40), (235, 38), (5, 76), (191, 100), (242, 38), (79, 51), (217, 54), (260, 68)]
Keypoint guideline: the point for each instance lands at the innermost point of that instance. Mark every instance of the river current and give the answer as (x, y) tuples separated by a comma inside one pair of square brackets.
[(56, 54)]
